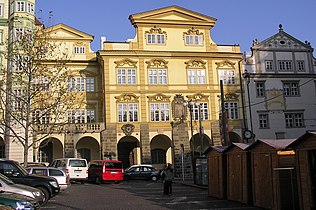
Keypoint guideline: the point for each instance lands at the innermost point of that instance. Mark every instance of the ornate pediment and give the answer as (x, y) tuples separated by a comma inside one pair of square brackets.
[(198, 97), (157, 63), (198, 64), (225, 63), (231, 97), (155, 30), (66, 32), (126, 63), (281, 40), (193, 31), (128, 97), (159, 98)]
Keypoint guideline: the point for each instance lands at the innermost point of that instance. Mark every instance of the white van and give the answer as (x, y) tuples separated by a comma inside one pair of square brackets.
[(76, 168)]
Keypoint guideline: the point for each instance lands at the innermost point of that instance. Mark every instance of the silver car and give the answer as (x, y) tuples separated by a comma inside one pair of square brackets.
[(61, 177), (6, 185)]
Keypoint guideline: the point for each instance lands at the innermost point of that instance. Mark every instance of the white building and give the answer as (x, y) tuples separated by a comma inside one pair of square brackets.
[(280, 96)]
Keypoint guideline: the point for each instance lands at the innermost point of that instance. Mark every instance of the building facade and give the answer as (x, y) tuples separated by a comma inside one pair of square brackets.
[(148, 82), (280, 77)]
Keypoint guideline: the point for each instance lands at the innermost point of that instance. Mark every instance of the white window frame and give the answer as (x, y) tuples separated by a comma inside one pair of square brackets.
[(158, 39), (194, 39), (157, 76), (20, 6), (294, 120), (285, 65), (81, 116), (127, 112), (227, 76), (126, 76), (300, 65), (30, 8), (232, 110), (159, 112), (79, 50), (269, 65), (196, 76), (41, 117), (42, 83), (291, 88), (81, 84), (204, 111), (260, 89), (263, 120), (90, 84), (1, 9)]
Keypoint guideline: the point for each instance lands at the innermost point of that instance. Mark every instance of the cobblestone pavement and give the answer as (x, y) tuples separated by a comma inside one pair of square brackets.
[(137, 195)]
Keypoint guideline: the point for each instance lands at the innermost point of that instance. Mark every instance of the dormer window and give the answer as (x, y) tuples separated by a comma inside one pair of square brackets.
[(193, 37), (156, 36), (79, 50)]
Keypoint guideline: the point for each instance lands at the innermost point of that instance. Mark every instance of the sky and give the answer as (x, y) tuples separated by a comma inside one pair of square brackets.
[(238, 21)]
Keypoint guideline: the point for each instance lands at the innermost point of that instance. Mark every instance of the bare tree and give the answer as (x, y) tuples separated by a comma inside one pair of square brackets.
[(35, 88)]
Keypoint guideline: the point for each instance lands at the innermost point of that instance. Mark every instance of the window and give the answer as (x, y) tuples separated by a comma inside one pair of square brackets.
[(79, 50), (196, 76), (79, 84), (291, 88), (227, 76), (263, 121), (159, 112), (260, 89), (20, 6), (194, 40), (157, 76), (232, 110), (300, 66), (40, 117), (269, 65), (18, 99), (41, 84), (1, 10), (126, 76), (294, 120), (127, 112), (55, 172), (90, 84), (158, 156), (81, 116), (30, 8), (204, 111), (285, 65), (156, 39)]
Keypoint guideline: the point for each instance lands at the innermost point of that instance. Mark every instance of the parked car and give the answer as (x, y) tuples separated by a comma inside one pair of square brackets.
[(17, 202), (147, 172), (18, 174), (76, 168), (105, 170), (7, 185), (61, 176), (29, 164)]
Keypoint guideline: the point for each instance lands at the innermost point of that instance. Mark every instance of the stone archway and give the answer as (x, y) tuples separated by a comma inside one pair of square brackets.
[(234, 137), (88, 148), (128, 150), (160, 147), (200, 144), (50, 149), (2, 148)]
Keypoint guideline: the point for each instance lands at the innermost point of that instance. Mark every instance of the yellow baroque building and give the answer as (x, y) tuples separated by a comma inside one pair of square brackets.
[(149, 81)]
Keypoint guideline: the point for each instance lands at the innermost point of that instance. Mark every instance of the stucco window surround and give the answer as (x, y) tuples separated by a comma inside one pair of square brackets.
[(260, 88), (193, 37), (300, 65), (227, 72), (294, 119), (285, 66), (127, 107), (269, 65), (157, 70), (291, 88), (263, 118), (202, 101), (126, 72), (196, 72), (155, 36), (159, 107)]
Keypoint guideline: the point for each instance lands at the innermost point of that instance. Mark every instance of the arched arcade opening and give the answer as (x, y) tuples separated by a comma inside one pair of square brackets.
[(160, 147), (50, 149), (88, 148), (128, 150)]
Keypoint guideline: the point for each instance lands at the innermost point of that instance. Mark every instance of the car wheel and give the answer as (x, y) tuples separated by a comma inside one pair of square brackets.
[(46, 194), (97, 180), (154, 178)]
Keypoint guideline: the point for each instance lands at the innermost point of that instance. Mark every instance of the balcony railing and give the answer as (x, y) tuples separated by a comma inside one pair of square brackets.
[(69, 128)]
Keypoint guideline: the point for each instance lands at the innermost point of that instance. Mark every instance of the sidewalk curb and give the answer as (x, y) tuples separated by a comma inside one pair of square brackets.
[(191, 184)]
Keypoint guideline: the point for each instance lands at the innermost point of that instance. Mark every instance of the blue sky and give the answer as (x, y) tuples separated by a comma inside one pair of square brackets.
[(238, 22)]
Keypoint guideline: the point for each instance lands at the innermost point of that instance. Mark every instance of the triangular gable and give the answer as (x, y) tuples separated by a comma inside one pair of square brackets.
[(67, 32), (172, 15), (305, 137), (281, 40), (274, 144)]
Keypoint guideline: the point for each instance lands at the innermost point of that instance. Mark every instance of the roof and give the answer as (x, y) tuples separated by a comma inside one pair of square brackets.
[(302, 138), (274, 143), (242, 146), (216, 148)]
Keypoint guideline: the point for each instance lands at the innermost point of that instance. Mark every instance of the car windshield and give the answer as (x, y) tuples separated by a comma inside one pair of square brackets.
[(22, 169), (77, 163), (6, 179)]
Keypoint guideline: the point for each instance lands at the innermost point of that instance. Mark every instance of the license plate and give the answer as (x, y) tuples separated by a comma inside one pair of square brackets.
[(113, 172), (77, 171)]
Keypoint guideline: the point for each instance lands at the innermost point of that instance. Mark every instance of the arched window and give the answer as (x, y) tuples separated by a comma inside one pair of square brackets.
[(158, 156)]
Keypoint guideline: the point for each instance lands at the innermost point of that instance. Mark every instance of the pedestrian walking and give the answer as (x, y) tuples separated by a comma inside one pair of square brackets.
[(167, 178)]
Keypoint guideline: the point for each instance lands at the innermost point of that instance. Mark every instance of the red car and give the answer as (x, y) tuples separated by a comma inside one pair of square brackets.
[(105, 170)]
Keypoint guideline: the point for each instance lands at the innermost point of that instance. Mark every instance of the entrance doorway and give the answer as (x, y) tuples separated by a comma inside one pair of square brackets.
[(127, 151)]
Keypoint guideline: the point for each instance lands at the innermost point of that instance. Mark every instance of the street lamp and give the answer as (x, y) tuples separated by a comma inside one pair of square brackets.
[(248, 134)]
